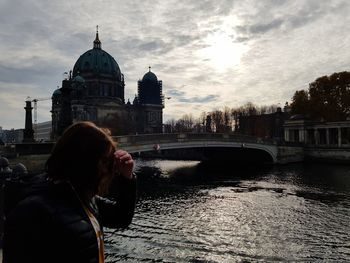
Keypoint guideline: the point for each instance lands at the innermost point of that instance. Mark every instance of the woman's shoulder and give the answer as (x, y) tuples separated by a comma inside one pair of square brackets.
[(36, 194), (22, 190), (30, 213)]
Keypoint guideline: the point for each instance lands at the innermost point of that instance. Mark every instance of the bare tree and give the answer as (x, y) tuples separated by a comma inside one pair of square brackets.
[(227, 120), (185, 123), (199, 123), (217, 120), (208, 124), (170, 126)]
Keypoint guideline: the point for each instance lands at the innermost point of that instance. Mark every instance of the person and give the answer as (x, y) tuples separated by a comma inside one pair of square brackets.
[(61, 218)]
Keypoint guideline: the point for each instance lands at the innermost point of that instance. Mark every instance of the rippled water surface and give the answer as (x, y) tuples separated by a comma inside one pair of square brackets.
[(190, 212)]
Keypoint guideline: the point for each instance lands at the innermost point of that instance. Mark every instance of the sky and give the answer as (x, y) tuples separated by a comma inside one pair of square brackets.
[(208, 53)]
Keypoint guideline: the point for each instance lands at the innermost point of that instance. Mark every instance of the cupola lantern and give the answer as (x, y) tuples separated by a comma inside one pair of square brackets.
[(97, 42)]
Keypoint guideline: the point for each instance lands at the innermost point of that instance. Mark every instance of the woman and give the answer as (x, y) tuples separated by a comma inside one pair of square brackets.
[(61, 219)]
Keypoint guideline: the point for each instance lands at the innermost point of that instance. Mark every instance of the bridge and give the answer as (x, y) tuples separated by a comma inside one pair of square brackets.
[(201, 146), (186, 146)]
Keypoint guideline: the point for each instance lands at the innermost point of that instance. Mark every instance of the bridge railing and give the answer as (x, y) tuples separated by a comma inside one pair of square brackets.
[(145, 138), (228, 137), (142, 139)]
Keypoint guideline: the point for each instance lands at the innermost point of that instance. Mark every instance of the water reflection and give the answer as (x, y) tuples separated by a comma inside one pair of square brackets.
[(191, 212)]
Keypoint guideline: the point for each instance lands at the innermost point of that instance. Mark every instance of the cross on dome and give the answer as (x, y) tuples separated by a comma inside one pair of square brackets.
[(97, 42)]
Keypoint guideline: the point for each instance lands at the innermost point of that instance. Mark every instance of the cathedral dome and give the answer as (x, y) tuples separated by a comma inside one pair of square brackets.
[(97, 61), (96, 74)]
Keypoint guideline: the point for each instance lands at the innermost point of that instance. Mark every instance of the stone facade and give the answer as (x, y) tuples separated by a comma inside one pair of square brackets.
[(267, 126), (42, 131)]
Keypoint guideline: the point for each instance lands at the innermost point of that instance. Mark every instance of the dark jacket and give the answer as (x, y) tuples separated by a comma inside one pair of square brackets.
[(50, 224)]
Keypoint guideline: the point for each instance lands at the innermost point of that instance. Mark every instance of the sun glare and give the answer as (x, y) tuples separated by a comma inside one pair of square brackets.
[(222, 52)]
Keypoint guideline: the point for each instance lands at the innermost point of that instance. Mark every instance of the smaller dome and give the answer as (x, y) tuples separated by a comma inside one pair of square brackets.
[(79, 79), (57, 92), (150, 77), (78, 82)]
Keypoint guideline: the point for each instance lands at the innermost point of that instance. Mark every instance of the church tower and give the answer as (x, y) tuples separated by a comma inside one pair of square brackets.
[(150, 103)]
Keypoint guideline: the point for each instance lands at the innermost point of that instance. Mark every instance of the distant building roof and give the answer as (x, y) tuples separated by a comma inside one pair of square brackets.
[(298, 117)]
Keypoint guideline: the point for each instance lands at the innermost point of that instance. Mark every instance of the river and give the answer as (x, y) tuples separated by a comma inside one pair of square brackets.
[(190, 212)]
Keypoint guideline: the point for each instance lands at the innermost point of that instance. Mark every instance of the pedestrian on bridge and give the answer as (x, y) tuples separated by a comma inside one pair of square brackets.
[(61, 220)]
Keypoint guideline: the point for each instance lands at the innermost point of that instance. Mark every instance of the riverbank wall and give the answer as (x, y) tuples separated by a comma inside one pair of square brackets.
[(290, 154), (327, 155), (294, 154)]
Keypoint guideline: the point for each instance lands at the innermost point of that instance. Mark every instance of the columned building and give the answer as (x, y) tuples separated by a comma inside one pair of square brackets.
[(95, 89), (330, 134)]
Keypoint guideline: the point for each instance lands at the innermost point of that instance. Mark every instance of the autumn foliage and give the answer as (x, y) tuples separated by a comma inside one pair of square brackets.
[(328, 98)]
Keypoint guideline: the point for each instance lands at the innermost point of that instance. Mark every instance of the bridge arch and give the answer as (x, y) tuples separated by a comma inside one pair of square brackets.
[(219, 154), (183, 142)]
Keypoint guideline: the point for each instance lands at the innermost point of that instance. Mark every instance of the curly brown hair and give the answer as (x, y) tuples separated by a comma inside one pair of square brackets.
[(84, 157)]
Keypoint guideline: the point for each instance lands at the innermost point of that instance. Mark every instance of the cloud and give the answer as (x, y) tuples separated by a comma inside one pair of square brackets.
[(204, 99), (263, 28), (288, 44), (176, 93)]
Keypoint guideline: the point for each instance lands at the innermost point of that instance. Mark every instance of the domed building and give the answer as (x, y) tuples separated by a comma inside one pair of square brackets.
[(150, 104), (94, 91), (150, 89)]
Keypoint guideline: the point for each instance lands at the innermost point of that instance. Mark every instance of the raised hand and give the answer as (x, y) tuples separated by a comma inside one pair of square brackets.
[(124, 163)]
